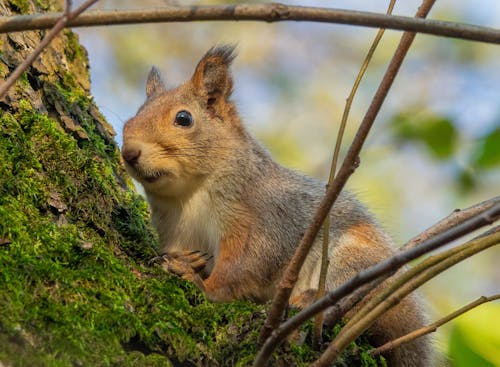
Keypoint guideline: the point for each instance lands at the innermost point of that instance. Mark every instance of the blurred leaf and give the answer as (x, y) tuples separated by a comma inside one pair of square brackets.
[(436, 133), (488, 150), (474, 339), (285, 149), (467, 180)]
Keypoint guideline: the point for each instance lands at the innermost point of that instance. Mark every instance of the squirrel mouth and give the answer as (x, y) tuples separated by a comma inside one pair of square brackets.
[(145, 175), (154, 176)]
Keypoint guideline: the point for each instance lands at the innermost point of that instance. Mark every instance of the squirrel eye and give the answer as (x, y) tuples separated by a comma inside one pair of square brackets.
[(183, 118)]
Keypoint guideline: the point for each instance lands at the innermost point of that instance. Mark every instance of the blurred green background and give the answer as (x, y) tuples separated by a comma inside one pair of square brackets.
[(435, 145)]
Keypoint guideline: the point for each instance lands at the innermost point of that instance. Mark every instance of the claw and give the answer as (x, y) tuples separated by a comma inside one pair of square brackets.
[(198, 264), (183, 262), (179, 268), (187, 253), (196, 256), (159, 259)]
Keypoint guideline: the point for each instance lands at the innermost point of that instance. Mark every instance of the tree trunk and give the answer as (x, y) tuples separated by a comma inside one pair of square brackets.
[(75, 289)]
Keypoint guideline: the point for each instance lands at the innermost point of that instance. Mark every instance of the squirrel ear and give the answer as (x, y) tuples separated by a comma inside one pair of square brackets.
[(154, 84), (212, 77)]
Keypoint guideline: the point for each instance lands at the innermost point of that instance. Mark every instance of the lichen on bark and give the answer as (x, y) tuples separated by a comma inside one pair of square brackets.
[(75, 288)]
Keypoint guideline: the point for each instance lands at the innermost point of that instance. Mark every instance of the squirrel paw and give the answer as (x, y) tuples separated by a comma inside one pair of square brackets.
[(185, 264), (182, 263), (196, 259)]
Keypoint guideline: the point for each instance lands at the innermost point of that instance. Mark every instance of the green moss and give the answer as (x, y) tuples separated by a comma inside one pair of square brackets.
[(74, 51), (23, 81), (20, 6), (74, 95), (4, 69), (45, 5)]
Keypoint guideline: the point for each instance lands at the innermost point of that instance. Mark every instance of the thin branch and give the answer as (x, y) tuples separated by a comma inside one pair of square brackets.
[(456, 217), (432, 327), (407, 276), (67, 9), (334, 314), (350, 99), (256, 12), (351, 162), (325, 262), (388, 266), (350, 333), (58, 27)]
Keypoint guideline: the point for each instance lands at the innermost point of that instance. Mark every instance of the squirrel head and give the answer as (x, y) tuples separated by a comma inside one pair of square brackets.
[(179, 136)]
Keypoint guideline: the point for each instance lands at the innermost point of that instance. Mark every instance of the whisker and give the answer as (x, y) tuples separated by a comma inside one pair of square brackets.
[(194, 147), (174, 136), (201, 148), (182, 155)]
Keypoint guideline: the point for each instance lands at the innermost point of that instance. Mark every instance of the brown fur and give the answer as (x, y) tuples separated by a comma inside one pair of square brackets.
[(214, 189)]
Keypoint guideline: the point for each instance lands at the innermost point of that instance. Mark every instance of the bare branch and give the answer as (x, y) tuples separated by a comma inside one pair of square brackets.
[(378, 273), (255, 12), (432, 327), (448, 259), (68, 6), (351, 162), (334, 314), (58, 27), (407, 276), (318, 321), (456, 217), (386, 292)]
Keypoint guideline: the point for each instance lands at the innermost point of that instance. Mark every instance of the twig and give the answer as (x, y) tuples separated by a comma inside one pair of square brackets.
[(67, 9), (388, 266), (58, 27), (339, 309), (349, 333), (456, 217), (432, 327), (351, 161), (256, 12), (408, 275), (318, 321)]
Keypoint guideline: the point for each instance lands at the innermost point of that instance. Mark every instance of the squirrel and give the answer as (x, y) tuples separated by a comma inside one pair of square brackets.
[(213, 189)]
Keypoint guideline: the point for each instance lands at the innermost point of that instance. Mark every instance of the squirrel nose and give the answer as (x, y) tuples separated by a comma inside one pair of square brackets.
[(131, 155)]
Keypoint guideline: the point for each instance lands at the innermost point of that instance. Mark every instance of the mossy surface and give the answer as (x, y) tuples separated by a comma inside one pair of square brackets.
[(75, 288)]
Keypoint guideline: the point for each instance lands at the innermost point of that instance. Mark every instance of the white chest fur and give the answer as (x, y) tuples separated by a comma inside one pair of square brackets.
[(189, 224)]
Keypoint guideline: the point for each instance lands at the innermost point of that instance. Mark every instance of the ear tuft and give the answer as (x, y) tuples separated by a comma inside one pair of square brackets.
[(226, 53), (212, 77), (155, 84)]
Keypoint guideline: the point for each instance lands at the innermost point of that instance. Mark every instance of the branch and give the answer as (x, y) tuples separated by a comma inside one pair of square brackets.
[(334, 313), (255, 12), (351, 162), (407, 276), (325, 262), (449, 258), (67, 9), (456, 217), (61, 23), (382, 269), (432, 327)]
